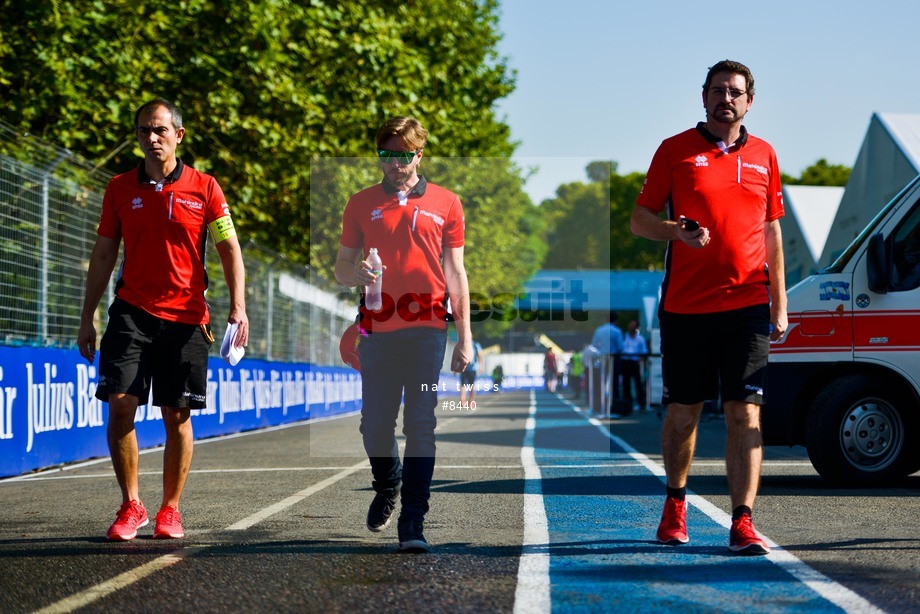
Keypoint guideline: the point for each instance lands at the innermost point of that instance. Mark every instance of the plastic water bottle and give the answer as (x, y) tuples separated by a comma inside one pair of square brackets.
[(373, 297)]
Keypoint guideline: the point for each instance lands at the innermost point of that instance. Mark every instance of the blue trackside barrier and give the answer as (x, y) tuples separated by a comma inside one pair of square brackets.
[(49, 416)]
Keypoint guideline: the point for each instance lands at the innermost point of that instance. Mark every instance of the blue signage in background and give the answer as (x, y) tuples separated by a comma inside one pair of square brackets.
[(50, 416)]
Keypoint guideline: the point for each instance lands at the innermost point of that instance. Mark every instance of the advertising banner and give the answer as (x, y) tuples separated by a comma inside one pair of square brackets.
[(50, 416)]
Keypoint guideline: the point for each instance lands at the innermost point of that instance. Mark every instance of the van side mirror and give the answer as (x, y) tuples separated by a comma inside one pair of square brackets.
[(878, 265)]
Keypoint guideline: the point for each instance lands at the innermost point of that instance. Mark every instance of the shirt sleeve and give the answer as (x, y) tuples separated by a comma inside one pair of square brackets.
[(217, 204), (455, 227), (109, 223), (352, 237), (775, 207), (656, 191)]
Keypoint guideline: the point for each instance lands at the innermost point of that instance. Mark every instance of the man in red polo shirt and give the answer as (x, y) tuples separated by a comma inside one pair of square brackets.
[(417, 229), (159, 324), (723, 297)]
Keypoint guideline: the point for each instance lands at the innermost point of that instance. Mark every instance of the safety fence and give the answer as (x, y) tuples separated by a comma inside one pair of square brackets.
[(50, 200), (606, 397)]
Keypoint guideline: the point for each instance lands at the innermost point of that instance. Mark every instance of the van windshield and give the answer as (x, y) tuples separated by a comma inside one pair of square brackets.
[(844, 258)]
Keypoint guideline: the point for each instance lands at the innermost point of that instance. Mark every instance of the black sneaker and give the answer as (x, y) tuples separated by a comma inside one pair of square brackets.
[(380, 512), (411, 538)]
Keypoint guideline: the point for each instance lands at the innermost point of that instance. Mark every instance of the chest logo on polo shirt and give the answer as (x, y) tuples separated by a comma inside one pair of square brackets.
[(191, 204), (757, 167), (137, 203), (701, 161), (437, 218), (376, 214)]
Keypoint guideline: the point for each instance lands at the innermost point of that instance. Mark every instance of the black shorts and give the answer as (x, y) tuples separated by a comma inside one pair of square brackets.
[(703, 355), (468, 377), (138, 349)]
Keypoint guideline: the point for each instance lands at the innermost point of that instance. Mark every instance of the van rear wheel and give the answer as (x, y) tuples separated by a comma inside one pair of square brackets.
[(857, 432)]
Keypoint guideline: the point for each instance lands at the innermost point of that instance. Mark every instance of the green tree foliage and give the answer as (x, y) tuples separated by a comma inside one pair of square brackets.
[(627, 251), (588, 223), (821, 173), (504, 231), (267, 88), (577, 220)]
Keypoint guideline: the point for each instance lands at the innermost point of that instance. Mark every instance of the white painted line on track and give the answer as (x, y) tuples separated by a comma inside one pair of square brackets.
[(95, 593), (271, 510), (198, 442), (193, 471), (766, 463), (109, 476), (836, 593), (532, 593), (440, 467)]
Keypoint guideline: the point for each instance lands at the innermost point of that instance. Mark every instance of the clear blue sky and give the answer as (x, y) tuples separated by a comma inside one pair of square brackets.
[(608, 80)]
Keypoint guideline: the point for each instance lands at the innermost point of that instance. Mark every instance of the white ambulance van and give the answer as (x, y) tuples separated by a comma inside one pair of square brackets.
[(844, 381)]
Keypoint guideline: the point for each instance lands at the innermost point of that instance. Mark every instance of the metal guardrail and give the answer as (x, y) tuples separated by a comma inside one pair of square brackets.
[(599, 388)]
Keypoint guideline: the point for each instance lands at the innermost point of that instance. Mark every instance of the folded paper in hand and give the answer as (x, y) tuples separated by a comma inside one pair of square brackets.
[(229, 351)]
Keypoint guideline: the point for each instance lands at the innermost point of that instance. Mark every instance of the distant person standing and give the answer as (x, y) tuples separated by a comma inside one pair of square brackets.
[(550, 373), (576, 373), (635, 351), (418, 229), (498, 376), (159, 324), (608, 342), (468, 379), (724, 294)]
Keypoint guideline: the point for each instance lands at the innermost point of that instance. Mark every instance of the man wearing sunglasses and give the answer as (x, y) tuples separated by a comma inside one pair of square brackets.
[(417, 228), (724, 297)]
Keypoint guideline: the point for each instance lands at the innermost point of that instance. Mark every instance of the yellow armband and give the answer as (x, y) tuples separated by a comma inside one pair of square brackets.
[(222, 229)]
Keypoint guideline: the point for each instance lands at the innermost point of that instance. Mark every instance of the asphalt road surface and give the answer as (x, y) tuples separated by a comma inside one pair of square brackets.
[(535, 506)]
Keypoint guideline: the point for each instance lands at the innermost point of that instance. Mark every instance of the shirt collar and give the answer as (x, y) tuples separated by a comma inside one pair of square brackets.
[(709, 136), (144, 178), (417, 190)]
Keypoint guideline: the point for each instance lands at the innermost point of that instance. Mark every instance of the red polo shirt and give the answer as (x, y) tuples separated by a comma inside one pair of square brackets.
[(733, 194), (410, 236), (164, 227)]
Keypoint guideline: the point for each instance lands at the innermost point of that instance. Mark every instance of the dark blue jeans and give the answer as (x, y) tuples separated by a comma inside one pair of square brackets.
[(401, 364)]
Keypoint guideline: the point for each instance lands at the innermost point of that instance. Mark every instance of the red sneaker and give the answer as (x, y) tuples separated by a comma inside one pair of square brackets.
[(673, 527), (168, 524), (130, 517), (744, 538)]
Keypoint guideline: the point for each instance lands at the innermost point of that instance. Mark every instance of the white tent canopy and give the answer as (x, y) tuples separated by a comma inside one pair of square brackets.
[(888, 159), (810, 212)]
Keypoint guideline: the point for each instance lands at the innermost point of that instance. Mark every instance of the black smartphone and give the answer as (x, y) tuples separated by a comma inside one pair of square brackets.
[(688, 224)]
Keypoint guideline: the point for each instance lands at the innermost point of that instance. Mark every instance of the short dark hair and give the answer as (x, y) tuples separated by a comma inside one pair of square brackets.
[(160, 102), (733, 67), (613, 316)]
